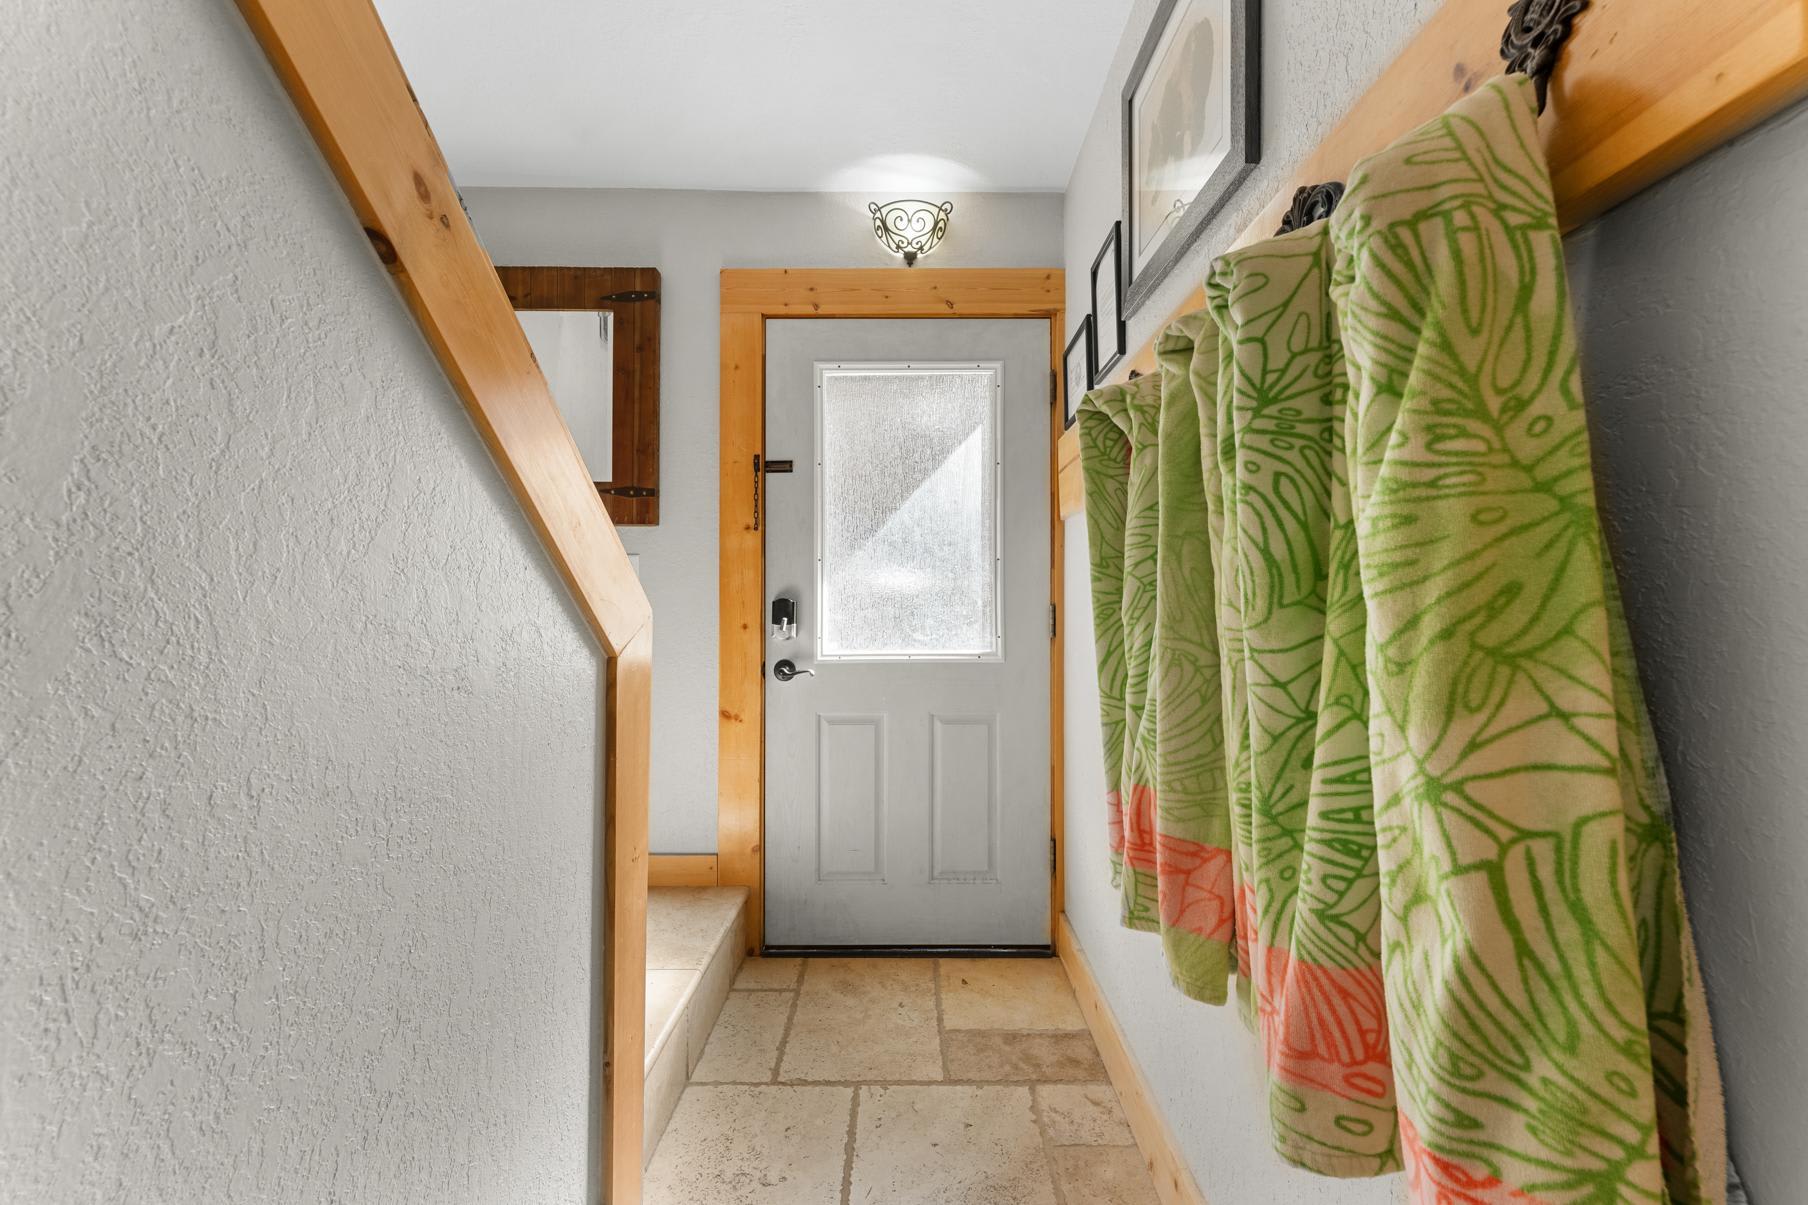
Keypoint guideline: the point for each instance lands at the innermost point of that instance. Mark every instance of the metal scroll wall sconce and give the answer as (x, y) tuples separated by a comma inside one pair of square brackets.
[(910, 228), (1536, 32)]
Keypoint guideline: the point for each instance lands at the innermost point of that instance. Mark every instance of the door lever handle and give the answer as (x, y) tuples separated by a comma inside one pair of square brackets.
[(787, 669)]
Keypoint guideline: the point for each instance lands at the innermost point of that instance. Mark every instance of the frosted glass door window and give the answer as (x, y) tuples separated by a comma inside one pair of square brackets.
[(907, 526)]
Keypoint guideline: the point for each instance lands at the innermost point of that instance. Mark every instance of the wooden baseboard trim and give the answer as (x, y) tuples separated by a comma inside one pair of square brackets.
[(681, 870), (1173, 1180)]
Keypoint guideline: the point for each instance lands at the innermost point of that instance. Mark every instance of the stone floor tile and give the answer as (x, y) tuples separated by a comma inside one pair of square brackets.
[(1103, 1175), (746, 1145), (864, 1019), (1082, 1115), (743, 1047), (993, 1055), (1007, 993), (949, 1145)]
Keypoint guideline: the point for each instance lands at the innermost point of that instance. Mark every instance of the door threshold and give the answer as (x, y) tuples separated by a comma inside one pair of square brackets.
[(907, 951)]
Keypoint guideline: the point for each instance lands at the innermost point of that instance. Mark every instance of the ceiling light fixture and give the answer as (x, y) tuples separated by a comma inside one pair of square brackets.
[(910, 228)]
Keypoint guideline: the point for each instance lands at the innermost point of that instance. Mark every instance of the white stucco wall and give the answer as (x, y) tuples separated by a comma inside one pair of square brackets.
[(1694, 320), (690, 237), (298, 729)]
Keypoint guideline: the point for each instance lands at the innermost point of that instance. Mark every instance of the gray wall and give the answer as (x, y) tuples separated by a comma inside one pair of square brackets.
[(1693, 304), (298, 729), (690, 237)]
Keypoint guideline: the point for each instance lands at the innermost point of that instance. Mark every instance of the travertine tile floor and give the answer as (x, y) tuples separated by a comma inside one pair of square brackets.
[(899, 1081)]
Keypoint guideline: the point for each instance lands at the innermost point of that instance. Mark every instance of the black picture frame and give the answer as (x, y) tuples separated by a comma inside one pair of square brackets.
[(1109, 330), (1082, 345), (1244, 152)]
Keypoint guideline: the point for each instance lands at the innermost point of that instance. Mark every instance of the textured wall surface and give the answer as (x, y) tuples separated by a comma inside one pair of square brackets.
[(1694, 316), (298, 730), (690, 237)]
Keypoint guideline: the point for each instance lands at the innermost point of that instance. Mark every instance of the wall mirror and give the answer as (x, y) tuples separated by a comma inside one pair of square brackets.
[(595, 332)]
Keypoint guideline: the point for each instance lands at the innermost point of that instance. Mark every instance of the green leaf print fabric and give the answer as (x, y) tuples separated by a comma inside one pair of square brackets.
[(1292, 632), (1549, 1037), (1158, 674), (1405, 716)]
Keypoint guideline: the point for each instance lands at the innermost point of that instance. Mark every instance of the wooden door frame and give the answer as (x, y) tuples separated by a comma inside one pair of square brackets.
[(749, 297), (335, 60)]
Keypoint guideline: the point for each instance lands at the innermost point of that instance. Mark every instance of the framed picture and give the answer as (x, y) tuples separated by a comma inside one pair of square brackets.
[(1191, 130), (1108, 301), (1077, 368)]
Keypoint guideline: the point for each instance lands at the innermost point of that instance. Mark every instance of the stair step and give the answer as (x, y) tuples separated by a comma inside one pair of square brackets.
[(696, 939)]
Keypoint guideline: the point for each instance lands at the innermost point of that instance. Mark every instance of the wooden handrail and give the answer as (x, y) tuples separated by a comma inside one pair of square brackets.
[(336, 61)]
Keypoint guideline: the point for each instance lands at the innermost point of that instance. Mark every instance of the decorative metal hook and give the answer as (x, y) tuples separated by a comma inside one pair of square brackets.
[(1311, 203), (1536, 32)]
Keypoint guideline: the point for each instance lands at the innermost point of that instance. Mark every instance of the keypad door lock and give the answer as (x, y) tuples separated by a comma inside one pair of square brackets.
[(784, 618)]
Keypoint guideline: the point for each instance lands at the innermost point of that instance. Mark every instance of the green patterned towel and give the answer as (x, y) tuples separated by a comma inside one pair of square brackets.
[(1550, 1040), (1293, 623), (1458, 923), (1158, 675)]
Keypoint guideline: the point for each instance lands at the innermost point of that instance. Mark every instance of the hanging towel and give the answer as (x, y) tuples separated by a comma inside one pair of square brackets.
[(1158, 674), (1549, 1037), (1292, 635)]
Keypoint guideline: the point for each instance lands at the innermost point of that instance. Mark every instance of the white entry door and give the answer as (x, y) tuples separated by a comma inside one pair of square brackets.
[(907, 775)]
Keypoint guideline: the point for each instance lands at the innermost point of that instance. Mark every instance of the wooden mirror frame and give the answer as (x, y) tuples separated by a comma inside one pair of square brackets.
[(631, 495)]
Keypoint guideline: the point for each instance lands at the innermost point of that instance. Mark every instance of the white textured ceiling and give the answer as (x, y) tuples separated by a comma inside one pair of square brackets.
[(945, 95)]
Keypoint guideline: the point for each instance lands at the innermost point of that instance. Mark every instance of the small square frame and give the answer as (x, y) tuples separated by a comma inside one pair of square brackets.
[(1109, 337), (1082, 344)]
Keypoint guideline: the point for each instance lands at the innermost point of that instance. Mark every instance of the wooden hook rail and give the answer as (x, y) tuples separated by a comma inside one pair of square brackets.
[(1643, 88)]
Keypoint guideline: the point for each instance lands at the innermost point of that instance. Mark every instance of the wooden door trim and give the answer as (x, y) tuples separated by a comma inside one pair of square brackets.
[(335, 61), (749, 297), (681, 870)]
